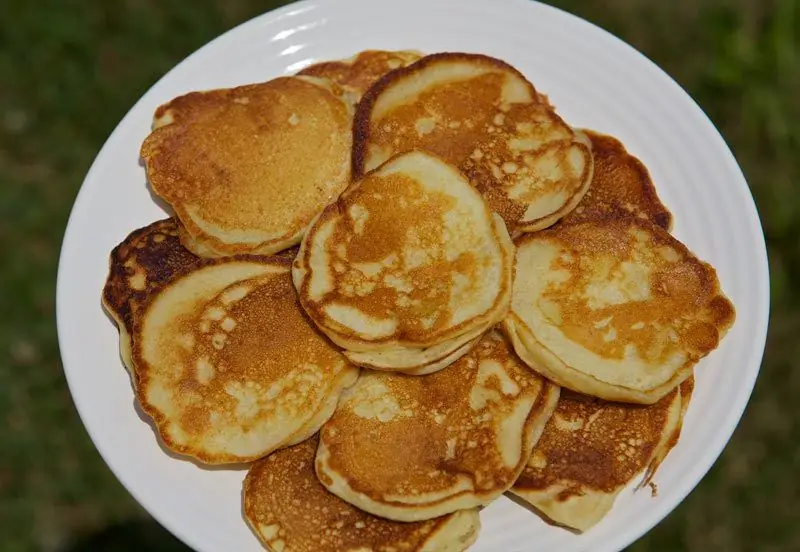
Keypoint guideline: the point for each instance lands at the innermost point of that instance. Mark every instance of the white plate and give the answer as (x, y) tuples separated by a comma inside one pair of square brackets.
[(594, 79)]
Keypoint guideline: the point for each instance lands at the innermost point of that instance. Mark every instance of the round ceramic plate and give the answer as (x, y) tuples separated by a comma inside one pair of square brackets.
[(595, 80)]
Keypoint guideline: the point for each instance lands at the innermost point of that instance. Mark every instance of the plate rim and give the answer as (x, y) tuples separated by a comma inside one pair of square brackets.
[(710, 454)]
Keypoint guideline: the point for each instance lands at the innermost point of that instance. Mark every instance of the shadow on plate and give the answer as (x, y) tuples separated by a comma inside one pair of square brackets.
[(131, 536)]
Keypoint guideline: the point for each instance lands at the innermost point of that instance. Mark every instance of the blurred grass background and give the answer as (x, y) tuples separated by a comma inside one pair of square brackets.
[(70, 69)]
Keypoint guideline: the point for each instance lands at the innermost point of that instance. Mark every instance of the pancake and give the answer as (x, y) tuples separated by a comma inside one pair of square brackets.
[(236, 164), (616, 309), (590, 451), (358, 73), (621, 186), (229, 367), (483, 116), (409, 257), (289, 510), (415, 448), (143, 263)]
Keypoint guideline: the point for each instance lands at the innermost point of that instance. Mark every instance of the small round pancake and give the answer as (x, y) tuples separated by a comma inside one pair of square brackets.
[(290, 510), (621, 186), (246, 169), (145, 261), (483, 116), (616, 309), (415, 448), (358, 73), (590, 451), (228, 365), (410, 256)]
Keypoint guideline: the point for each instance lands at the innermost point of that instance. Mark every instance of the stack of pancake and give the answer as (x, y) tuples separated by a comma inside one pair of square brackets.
[(401, 286)]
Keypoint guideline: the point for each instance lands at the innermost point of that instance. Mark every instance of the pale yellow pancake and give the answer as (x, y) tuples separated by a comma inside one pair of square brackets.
[(615, 308), (415, 448), (290, 511), (484, 117), (246, 169)]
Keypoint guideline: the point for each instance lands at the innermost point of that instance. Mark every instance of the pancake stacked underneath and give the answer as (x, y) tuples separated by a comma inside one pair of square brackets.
[(401, 286)]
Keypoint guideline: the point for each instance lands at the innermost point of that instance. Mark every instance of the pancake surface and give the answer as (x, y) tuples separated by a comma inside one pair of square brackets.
[(228, 365), (410, 448), (235, 163), (616, 309), (144, 262), (356, 74), (484, 117), (591, 450), (290, 510), (621, 186), (409, 257)]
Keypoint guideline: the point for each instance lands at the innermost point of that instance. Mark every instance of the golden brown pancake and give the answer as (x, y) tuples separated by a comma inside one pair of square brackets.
[(356, 74), (290, 510), (246, 169), (414, 448), (616, 308), (145, 261), (409, 263), (484, 117), (229, 367), (591, 450), (621, 186)]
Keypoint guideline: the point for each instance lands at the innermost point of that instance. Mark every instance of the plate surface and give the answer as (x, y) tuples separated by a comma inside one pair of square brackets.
[(594, 79)]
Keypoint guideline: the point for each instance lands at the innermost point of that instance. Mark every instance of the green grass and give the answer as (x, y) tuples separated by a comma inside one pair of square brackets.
[(70, 69)]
